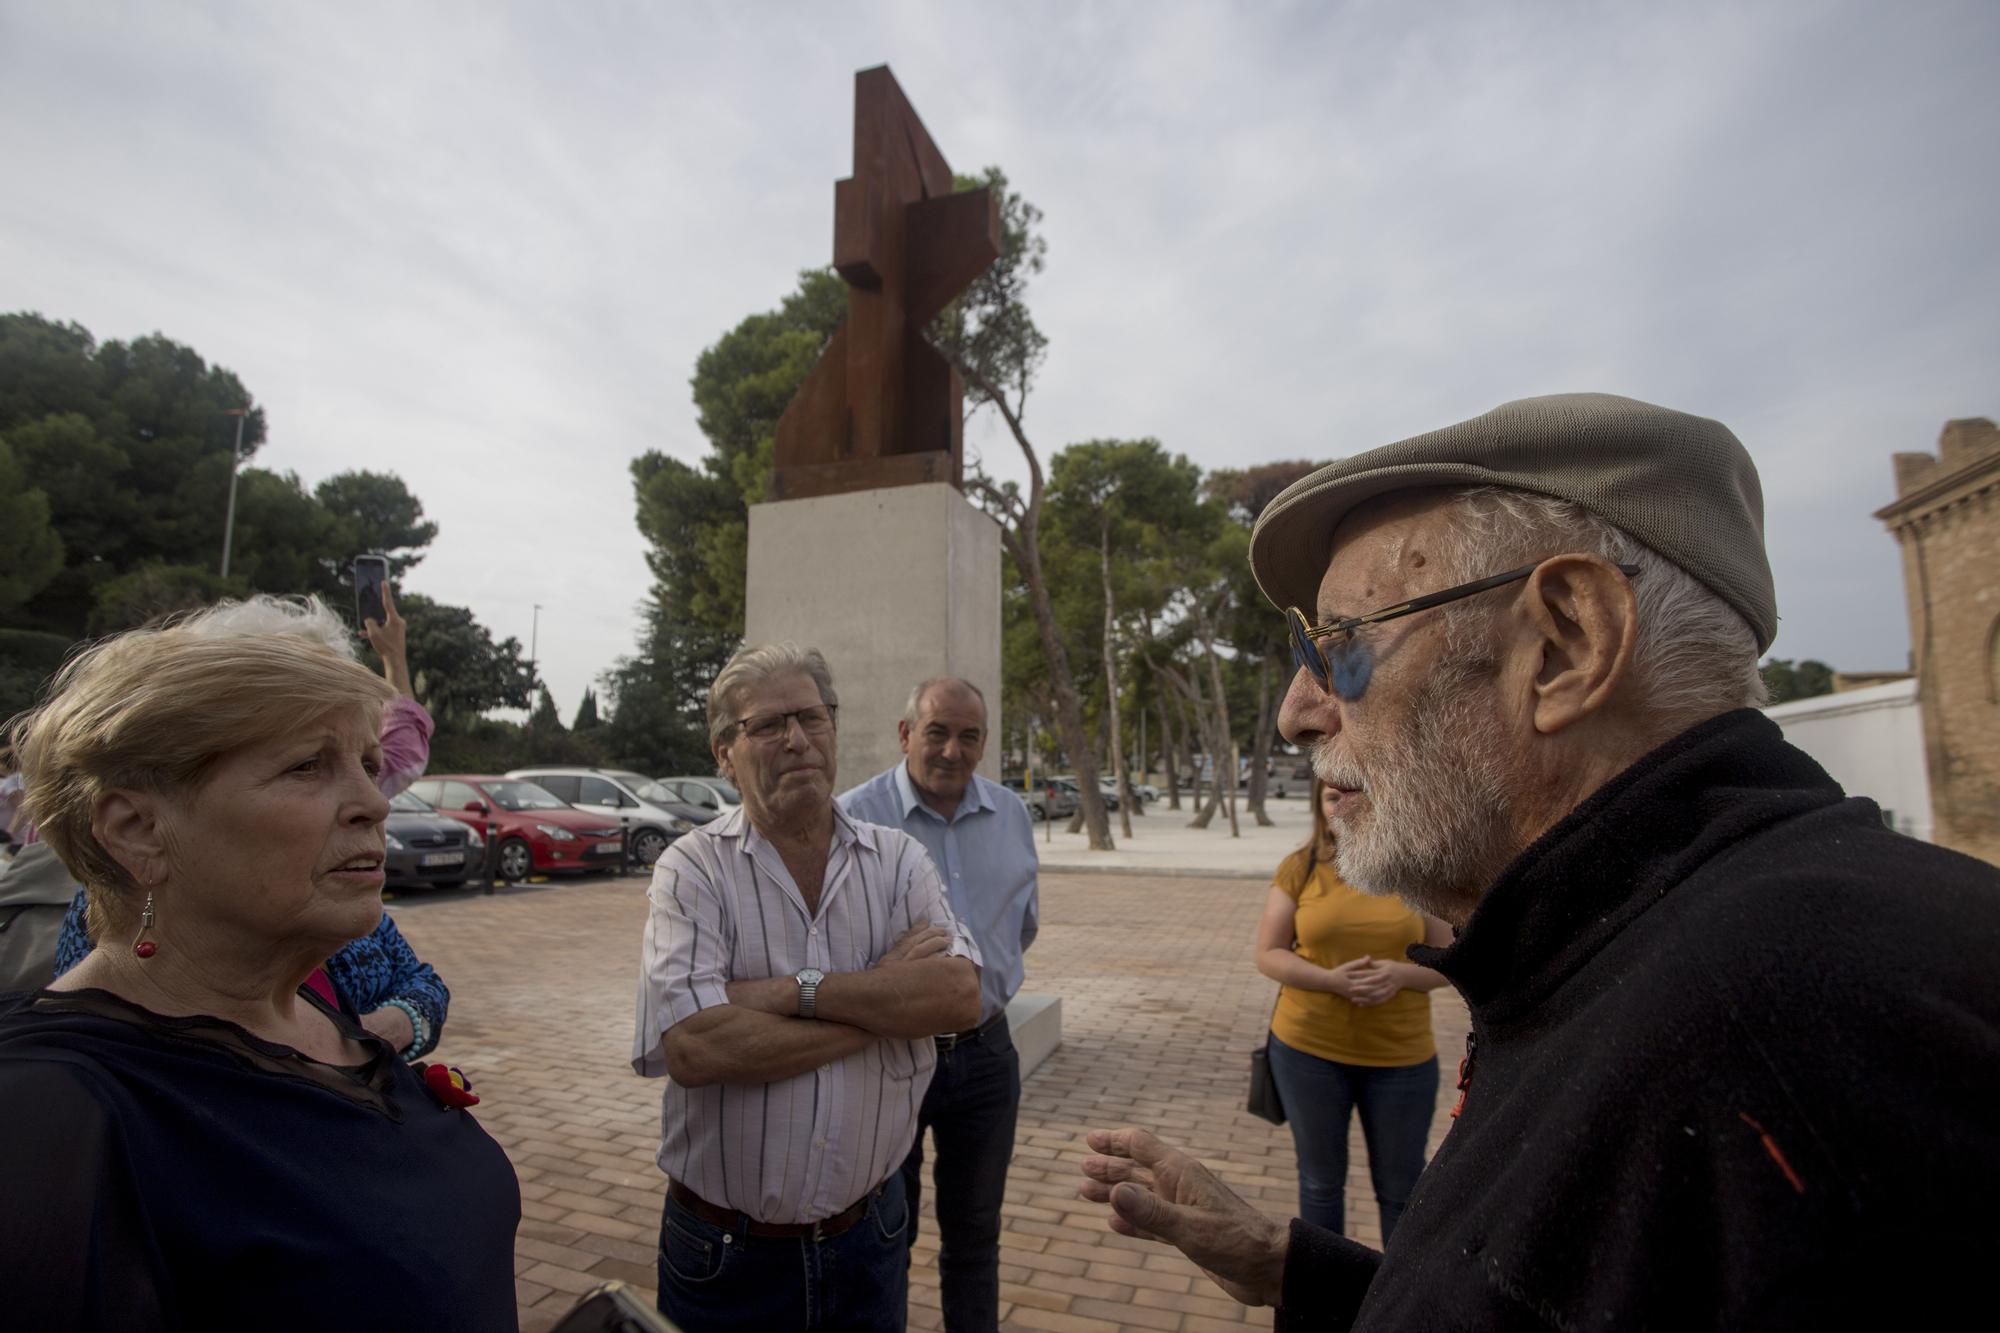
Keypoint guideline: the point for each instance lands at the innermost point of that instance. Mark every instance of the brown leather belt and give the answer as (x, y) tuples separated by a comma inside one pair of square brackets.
[(731, 1220)]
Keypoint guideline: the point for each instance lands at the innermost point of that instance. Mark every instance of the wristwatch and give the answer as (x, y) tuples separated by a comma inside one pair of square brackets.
[(808, 979)]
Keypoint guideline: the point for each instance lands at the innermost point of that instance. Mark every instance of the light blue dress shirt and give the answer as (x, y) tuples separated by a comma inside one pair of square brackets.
[(986, 857)]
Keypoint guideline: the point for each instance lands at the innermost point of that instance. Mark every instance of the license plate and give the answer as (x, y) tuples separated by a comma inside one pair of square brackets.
[(441, 859), (609, 847)]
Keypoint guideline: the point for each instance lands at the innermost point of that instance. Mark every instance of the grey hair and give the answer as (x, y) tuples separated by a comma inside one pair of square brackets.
[(1695, 656), (754, 666), (914, 706), (304, 617)]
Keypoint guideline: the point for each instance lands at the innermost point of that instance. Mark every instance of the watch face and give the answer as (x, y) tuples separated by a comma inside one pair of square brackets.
[(811, 976)]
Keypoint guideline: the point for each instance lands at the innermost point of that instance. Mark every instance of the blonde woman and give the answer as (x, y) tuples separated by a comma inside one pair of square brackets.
[(195, 1138), (1352, 1028)]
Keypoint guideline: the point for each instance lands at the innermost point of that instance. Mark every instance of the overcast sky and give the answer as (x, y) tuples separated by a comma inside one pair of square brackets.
[(481, 246)]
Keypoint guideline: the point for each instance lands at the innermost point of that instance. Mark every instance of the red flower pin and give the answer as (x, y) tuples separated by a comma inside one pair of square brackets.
[(448, 1085)]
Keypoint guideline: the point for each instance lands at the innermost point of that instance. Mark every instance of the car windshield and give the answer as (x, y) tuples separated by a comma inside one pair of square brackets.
[(522, 796), (654, 792), (411, 804)]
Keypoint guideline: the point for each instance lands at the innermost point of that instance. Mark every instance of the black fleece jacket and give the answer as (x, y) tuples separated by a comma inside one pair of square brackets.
[(1736, 1065)]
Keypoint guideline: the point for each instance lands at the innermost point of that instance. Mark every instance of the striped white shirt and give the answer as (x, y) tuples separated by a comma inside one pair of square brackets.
[(724, 908)]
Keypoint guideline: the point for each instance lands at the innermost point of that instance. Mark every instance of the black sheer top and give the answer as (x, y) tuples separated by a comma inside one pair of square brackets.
[(168, 1173)]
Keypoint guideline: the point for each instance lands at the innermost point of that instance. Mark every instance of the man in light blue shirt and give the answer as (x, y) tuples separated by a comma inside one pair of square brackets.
[(979, 836)]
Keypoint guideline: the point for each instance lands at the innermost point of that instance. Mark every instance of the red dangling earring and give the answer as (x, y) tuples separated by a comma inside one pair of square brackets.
[(142, 946)]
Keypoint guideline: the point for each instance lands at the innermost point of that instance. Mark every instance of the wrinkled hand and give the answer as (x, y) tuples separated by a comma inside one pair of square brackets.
[(389, 638), (1157, 1192), (926, 939)]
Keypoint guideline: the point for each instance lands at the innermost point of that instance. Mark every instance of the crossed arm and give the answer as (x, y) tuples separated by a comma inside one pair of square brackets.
[(915, 990)]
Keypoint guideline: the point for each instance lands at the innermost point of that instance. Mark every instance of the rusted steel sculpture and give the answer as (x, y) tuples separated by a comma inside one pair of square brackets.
[(882, 407)]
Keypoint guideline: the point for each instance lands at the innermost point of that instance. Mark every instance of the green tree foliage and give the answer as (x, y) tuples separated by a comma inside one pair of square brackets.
[(1262, 660), (129, 446), (1124, 499), (545, 717), (376, 512), (460, 672), (658, 696), (155, 589), (696, 521), (988, 331), (586, 712), (990, 337), (1786, 680), (30, 550)]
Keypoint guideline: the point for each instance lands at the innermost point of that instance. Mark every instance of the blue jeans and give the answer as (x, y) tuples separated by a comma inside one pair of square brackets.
[(714, 1279), (1396, 1104), (970, 1110)]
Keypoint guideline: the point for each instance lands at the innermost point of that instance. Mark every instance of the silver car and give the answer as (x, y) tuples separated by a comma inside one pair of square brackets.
[(651, 817)]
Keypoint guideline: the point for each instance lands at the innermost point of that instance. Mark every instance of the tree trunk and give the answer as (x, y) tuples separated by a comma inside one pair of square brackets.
[(1260, 747), (1167, 755), (1062, 683), (1235, 763), (1023, 541), (1121, 779)]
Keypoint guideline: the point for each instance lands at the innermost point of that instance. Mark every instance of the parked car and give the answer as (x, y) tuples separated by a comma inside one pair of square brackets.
[(1069, 784), (714, 794), (426, 847), (535, 829), (1044, 794), (650, 815), (1145, 791)]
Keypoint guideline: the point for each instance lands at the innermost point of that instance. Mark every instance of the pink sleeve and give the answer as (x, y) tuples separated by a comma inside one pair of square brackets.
[(406, 744)]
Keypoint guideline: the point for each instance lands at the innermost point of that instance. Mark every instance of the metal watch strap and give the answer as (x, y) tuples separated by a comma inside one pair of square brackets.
[(808, 996)]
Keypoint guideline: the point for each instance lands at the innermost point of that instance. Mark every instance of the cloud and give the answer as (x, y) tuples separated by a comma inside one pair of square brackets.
[(483, 249)]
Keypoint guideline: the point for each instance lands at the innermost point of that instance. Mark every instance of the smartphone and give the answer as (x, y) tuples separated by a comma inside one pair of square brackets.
[(371, 575), (612, 1308)]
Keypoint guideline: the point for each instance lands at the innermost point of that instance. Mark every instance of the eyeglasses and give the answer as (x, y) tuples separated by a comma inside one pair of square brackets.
[(1315, 647), (817, 721)]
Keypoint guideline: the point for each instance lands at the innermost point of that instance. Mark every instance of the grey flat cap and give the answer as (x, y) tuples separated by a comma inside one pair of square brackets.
[(1683, 485)]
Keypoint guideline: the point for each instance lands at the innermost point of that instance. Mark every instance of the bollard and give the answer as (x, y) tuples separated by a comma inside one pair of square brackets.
[(492, 867)]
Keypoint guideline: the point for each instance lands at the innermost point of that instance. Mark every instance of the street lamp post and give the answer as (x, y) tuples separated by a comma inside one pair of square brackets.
[(235, 458)]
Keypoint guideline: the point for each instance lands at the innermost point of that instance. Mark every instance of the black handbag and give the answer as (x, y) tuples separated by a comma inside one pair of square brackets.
[(1265, 1103)]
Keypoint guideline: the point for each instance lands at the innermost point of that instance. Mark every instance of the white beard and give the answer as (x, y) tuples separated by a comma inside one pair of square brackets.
[(1435, 828)]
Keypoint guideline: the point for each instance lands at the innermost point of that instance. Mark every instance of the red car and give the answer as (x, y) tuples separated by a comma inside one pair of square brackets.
[(532, 830)]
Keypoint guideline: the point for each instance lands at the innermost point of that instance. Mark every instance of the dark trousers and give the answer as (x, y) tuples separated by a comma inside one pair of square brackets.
[(714, 1278), (1396, 1105), (969, 1110)]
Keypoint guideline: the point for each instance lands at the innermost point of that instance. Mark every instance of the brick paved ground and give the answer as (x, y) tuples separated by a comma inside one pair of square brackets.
[(1160, 1006)]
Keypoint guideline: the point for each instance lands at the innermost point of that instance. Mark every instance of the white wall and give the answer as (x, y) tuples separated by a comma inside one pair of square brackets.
[(1872, 742)]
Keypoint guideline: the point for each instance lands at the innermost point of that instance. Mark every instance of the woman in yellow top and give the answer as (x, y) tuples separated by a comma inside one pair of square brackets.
[(1352, 1028)]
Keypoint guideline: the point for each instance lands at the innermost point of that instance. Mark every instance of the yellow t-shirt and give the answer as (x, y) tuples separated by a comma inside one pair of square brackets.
[(1336, 923)]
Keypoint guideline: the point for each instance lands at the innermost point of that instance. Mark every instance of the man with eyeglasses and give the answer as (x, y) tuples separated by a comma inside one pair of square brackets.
[(795, 968), (978, 835), (1735, 1045)]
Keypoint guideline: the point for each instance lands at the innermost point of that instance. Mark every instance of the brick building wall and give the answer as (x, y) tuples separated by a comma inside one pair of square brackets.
[(1946, 518)]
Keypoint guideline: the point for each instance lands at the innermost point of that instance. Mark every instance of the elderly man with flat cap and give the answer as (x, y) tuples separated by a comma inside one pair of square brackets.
[(1735, 1049)]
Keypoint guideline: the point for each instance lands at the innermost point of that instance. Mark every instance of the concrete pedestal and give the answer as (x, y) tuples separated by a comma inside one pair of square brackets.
[(893, 586), (1036, 1024)]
